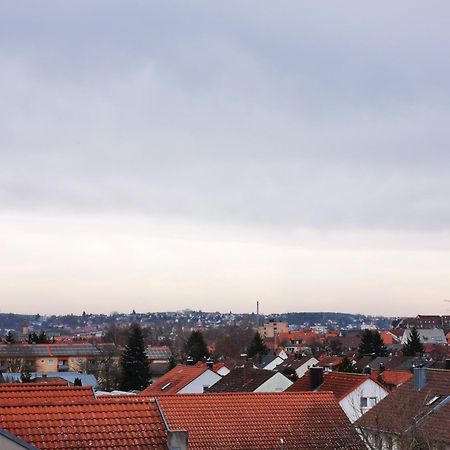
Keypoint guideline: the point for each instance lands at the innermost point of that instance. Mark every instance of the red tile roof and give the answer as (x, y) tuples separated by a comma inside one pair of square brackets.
[(175, 380), (394, 377), (426, 412), (340, 383), (133, 423), (43, 394), (253, 420)]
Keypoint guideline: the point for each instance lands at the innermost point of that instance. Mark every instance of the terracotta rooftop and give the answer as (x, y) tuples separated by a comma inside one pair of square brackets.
[(340, 383), (263, 421), (394, 377), (175, 380), (425, 412), (132, 423), (44, 394), (242, 379)]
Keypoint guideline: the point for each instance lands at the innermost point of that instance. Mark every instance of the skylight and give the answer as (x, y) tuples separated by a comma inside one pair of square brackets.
[(434, 400), (166, 386)]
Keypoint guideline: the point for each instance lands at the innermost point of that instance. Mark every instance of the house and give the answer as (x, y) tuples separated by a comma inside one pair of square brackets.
[(415, 415), (330, 362), (159, 359), (391, 379), (48, 357), (30, 394), (267, 362), (183, 379), (356, 393), (97, 424), (248, 379), (299, 365), (244, 421), (427, 336)]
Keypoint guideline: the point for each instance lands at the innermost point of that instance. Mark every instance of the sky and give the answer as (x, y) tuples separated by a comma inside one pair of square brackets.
[(161, 155)]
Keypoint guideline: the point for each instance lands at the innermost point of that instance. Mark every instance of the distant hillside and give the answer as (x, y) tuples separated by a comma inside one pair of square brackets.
[(340, 319)]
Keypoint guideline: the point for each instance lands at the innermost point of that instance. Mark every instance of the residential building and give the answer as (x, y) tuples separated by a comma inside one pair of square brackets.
[(48, 357), (299, 364), (183, 379), (415, 415), (248, 379), (427, 336), (356, 393), (244, 421), (272, 329)]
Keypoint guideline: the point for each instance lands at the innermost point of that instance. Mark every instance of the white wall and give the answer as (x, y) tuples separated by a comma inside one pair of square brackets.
[(223, 371), (206, 379), (303, 369), (351, 404), (277, 383), (277, 361)]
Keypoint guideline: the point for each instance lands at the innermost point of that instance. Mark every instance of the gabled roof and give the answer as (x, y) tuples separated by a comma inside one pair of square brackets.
[(242, 379), (175, 380), (340, 383), (293, 363), (394, 377), (425, 412), (241, 421), (264, 360), (132, 423), (158, 352)]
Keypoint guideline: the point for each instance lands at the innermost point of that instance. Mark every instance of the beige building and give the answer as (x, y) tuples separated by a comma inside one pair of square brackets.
[(48, 357), (272, 329)]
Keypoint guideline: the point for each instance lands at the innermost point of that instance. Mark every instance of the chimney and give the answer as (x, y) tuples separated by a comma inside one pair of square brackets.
[(316, 377), (177, 440), (190, 361), (420, 378), (247, 371), (382, 367), (209, 363), (367, 370)]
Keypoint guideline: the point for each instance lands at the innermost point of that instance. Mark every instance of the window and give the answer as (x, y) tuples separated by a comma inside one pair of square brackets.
[(368, 402), (50, 361), (166, 386)]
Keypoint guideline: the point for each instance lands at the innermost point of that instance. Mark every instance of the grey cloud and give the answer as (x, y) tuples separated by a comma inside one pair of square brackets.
[(272, 115)]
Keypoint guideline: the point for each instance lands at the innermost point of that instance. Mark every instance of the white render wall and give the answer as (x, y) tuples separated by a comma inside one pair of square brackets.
[(277, 383), (303, 369), (351, 404), (206, 379)]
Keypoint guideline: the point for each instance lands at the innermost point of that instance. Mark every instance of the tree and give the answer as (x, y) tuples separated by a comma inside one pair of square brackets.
[(135, 372), (372, 344), (195, 347), (366, 344), (256, 346), (77, 382), (10, 338), (379, 348), (413, 345), (25, 374), (347, 366)]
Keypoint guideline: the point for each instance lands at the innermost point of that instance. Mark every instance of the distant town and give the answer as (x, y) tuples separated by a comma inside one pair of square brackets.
[(347, 369)]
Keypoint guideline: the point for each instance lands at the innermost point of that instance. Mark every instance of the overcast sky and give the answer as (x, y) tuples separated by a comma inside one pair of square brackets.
[(169, 155)]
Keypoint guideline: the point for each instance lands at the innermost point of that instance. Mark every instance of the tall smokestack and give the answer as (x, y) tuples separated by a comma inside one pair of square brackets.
[(257, 313)]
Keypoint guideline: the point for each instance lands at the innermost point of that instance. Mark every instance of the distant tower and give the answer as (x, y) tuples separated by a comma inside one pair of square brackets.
[(257, 313), (25, 328)]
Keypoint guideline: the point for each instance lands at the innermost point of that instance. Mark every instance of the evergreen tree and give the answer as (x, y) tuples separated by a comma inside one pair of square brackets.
[(413, 344), (379, 349), (10, 338), (77, 382), (256, 346), (32, 338), (42, 338), (135, 372), (347, 366), (195, 347), (366, 344)]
